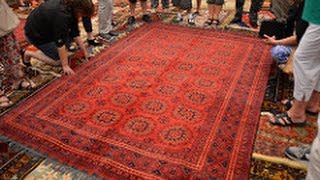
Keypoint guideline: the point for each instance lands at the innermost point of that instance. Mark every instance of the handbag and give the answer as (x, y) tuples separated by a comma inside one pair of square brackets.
[(8, 19)]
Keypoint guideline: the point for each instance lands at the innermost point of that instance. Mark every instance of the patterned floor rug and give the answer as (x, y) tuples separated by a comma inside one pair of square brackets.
[(138, 108), (16, 162), (262, 169)]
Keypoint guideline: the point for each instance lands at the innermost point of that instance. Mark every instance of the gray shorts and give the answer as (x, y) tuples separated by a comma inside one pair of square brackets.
[(216, 2)]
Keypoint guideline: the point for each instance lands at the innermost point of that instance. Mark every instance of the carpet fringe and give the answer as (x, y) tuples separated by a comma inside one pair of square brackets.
[(52, 163), (71, 171), (19, 147), (279, 160)]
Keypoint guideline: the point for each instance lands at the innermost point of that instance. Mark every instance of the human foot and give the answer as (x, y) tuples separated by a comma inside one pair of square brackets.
[(312, 111), (4, 100), (283, 119)]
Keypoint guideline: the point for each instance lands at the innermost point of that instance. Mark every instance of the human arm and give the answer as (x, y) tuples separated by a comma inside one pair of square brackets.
[(289, 41), (63, 54), (75, 34), (82, 47)]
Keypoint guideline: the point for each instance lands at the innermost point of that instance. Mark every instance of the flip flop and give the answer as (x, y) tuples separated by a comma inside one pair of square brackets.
[(289, 103), (283, 119), (4, 101), (216, 22), (209, 22)]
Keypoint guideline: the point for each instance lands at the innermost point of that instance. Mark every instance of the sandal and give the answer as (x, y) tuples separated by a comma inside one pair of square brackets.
[(191, 21), (215, 22), (4, 100), (24, 84), (283, 119), (209, 22), (289, 103), (22, 53)]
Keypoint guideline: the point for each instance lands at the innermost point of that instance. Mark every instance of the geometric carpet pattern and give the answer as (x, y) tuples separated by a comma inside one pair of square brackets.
[(137, 109)]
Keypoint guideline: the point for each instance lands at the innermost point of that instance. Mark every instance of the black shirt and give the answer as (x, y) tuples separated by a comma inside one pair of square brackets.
[(295, 20), (52, 21)]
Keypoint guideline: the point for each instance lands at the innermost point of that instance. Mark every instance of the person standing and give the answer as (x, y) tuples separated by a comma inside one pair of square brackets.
[(9, 53), (105, 10), (253, 14), (132, 6), (155, 4), (214, 8), (183, 5), (307, 78)]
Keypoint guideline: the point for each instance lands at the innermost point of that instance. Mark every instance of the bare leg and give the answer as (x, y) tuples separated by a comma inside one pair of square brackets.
[(198, 5), (144, 7), (41, 57), (210, 11), (132, 9), (313, 103), (298, 111), (216, 11)]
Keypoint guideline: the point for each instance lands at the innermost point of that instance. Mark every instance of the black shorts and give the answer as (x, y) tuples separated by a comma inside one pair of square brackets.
[(135, 1)]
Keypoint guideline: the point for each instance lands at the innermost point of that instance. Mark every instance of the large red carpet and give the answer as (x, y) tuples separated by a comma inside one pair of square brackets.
[(165, 102)]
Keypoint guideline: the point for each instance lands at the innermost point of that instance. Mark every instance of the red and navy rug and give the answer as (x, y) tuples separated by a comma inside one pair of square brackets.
[(165, 102)]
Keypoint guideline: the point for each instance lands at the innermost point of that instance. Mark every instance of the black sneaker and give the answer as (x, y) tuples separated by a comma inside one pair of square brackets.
[(146, 18), (94, 42), (131, 20), (106, 36), (195, 14), (254, 24), (113, 33), (298, 153), (235, 20)]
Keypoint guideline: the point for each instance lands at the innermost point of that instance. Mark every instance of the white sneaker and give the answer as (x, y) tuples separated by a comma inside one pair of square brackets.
[(178, 17)]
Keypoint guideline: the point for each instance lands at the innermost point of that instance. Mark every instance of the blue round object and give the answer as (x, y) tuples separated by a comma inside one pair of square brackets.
[(280, 53)]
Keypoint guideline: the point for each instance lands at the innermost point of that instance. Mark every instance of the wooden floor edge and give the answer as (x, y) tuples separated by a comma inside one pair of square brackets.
[(279, 160)]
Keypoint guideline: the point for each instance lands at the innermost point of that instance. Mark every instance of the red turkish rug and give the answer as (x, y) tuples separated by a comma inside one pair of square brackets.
[(166, 102)]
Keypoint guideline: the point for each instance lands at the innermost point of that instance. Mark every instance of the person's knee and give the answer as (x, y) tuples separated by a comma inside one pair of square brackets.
[(280, 54)]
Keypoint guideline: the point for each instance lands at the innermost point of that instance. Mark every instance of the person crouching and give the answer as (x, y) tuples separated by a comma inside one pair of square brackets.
[(50, 26)]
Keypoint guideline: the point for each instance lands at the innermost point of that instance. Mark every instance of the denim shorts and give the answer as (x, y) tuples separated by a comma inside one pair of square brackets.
[(49, 49), (216, 2)]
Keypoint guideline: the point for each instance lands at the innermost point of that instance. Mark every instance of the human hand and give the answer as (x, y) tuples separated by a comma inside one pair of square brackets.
[(87, 56), (67, 70), (270, 40)]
